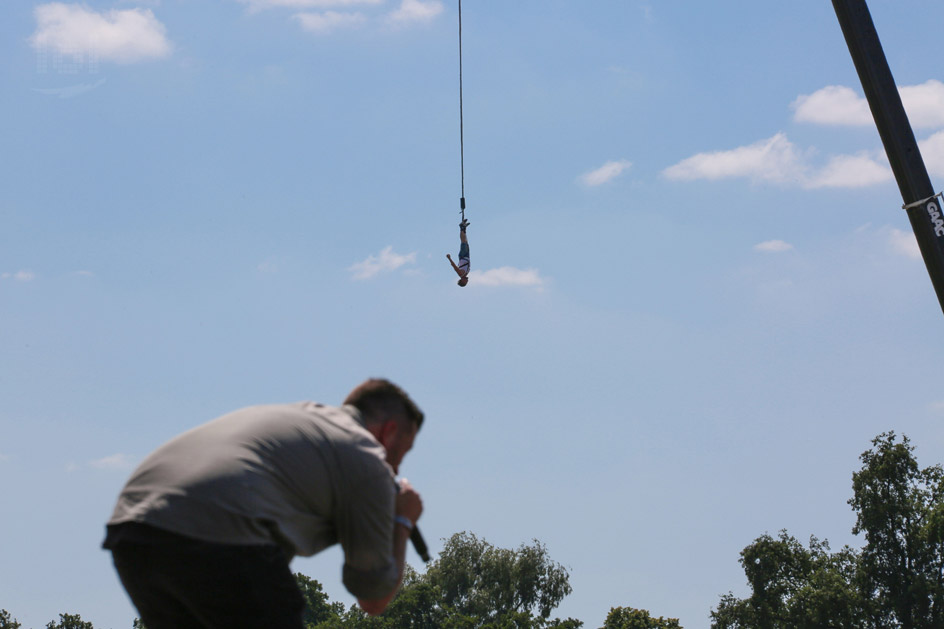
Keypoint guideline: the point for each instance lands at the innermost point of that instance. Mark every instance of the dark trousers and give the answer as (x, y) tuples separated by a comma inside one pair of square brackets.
[(198, 585)]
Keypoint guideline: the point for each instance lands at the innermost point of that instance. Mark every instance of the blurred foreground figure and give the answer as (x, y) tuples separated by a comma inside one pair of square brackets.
[(204, 529)]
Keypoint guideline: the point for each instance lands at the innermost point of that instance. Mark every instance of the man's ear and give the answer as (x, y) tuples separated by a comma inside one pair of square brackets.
[(387, 430)]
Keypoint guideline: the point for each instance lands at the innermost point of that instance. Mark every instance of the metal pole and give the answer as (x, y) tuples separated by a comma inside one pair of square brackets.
[(924, 210)]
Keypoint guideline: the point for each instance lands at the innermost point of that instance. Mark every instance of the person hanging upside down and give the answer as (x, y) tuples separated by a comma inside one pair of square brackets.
[(463, 267)]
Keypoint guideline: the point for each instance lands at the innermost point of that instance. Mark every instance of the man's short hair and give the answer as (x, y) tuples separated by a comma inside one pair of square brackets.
[(463, 280), (379, 399)]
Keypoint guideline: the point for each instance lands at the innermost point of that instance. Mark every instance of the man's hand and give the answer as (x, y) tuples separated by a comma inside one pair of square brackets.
[(409, 504)]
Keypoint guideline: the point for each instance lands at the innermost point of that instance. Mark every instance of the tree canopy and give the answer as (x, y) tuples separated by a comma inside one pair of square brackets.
[(631, 618), (475, 585), (895, 580)]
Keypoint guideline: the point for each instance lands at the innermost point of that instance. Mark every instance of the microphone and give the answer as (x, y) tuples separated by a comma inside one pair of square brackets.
[(419, 544), (416, 538)]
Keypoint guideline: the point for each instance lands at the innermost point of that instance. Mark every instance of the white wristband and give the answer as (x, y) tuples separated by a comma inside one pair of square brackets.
[(405, 521)]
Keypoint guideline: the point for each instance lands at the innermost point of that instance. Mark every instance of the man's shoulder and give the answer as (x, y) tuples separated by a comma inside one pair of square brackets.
[(352, 441)]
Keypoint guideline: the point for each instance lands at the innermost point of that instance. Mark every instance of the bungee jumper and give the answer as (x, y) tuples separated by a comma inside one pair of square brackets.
[(462, 269)]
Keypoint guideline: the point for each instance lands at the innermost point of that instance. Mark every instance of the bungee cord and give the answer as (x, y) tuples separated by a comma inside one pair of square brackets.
[(461, 123)]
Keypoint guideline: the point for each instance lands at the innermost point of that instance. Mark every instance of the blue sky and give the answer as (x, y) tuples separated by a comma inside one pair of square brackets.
[(695, 298)]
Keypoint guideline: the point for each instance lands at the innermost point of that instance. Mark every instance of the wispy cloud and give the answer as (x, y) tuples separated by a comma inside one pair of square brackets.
[(932, 151), (832, 105), (840, 105), (384, 262), (268, 266), (606, 172), (904, 243), (507, 276), (324, 23), (850, 171), (775, 159), (411, 11), (113, 462), (778, 160), (22, 275), (122, 36), (924, 104), (326, 16), (773, 246), (259, 5)]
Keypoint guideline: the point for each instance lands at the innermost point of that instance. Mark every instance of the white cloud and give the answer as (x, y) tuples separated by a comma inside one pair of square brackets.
[(606, 172), (840, 105), (113, 462), (122, 36), (416, 11), (832, 105), (775, 159), (924, 104), (507, 276), (384, 262), (259, 5), (323, 23), (904, 243), (850, 171), (22, 275), (773, 246), (932, 152)]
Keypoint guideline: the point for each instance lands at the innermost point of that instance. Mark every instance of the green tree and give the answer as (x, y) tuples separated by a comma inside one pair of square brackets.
[(901, 513), (474, 585), (317, 608), (896, 580), (479, 580), (69, 621), (7, 621), (793, 586), (631, 618)]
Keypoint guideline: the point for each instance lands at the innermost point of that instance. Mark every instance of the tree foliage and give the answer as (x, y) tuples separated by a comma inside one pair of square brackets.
[(477, 579), (69, 621), (317, 607), (901, 513), (895, 580), (474, 585), (793, 586), (7, 621), (632, 618)]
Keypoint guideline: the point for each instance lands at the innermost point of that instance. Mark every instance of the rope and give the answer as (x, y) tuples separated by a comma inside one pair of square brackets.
[(461, 122)]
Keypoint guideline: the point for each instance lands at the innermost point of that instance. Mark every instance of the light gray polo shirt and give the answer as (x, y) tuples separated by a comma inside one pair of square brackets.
[(303, 476)]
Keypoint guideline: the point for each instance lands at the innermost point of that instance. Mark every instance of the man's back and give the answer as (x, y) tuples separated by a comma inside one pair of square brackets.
[(259, 475)]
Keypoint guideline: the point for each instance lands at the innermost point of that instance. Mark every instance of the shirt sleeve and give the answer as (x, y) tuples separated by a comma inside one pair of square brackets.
[(365, 529)]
